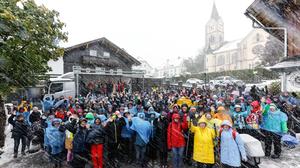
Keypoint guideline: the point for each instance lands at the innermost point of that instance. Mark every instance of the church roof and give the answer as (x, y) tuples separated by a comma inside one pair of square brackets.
[(215, 14), (231, 45)]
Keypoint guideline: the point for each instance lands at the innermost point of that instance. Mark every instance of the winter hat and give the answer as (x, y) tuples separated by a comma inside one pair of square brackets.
[(272, 105), (215, 97), (89, 116), (237, 106), (126, 110), (226, 122)]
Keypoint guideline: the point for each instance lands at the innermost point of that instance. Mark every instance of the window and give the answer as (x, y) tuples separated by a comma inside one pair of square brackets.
[(106, 54), (234, 58), (93, 53), (221, 60), (56, 87), (228, 60)]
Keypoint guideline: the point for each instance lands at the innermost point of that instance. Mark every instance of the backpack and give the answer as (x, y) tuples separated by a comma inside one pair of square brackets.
[(234, 132)]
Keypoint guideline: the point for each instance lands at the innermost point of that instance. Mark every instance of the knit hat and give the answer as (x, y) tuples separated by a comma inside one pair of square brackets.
[(272, 105), (226, 122), (237, 106), (89, 116)]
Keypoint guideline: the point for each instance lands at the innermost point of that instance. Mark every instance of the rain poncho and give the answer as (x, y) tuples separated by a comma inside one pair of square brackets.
[(54, 138), (142, 127), (231, 149), (203, 144), (275, 121), (126, 131)]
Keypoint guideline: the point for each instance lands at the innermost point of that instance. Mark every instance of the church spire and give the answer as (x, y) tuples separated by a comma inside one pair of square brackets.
[(214, 14)]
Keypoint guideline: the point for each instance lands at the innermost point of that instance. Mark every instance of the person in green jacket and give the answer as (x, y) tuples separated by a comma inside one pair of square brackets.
[(273, 126)]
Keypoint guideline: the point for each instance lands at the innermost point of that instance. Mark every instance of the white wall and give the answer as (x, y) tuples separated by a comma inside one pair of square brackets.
[(57, 66)]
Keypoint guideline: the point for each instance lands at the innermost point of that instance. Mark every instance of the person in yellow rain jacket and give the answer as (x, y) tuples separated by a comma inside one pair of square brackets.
[(211, 122), (203, 144), (222, 115)]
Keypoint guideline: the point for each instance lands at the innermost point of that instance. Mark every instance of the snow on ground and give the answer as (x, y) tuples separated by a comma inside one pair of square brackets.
[(290, 158), (9, 145)]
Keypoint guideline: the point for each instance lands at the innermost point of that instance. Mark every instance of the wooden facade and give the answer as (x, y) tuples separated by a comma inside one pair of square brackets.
[(99, 53), (279, 13)]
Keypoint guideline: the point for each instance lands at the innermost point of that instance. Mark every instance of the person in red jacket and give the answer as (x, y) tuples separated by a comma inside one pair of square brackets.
[(176, 140), (61, 114)]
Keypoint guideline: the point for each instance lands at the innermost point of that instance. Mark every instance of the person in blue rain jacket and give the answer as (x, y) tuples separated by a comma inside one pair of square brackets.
[(231, 145), (55, 142)]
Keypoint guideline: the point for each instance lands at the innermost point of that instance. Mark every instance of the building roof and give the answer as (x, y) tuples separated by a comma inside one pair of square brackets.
[(232, 45), (105, 42), (291, 63)]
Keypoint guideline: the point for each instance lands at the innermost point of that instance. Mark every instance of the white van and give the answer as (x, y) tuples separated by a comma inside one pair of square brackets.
[(63, 85)]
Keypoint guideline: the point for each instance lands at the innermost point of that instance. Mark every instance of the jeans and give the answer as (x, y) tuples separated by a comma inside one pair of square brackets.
[(140, 153), (177, 157), (17, 143)]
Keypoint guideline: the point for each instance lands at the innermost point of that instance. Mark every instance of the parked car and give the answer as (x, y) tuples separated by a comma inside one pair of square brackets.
[(194, 81), (225, 81)]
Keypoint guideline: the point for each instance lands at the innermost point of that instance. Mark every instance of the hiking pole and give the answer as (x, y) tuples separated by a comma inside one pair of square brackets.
[(218, 160), (188, 141)]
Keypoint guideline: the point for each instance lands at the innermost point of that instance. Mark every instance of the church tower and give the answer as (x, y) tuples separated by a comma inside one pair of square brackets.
[(214, 31)]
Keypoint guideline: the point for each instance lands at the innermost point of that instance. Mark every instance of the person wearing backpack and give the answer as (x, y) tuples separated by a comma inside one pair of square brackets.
[(176, 141), (232, 149)]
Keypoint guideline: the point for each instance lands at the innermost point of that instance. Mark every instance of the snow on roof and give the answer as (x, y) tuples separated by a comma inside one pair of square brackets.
[(232, 45), (286, 64)]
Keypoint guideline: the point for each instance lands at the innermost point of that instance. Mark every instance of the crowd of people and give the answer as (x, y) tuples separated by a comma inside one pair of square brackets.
[(181, 126)]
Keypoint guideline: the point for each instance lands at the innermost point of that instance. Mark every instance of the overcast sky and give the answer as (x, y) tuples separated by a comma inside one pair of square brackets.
[(155, 30)]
